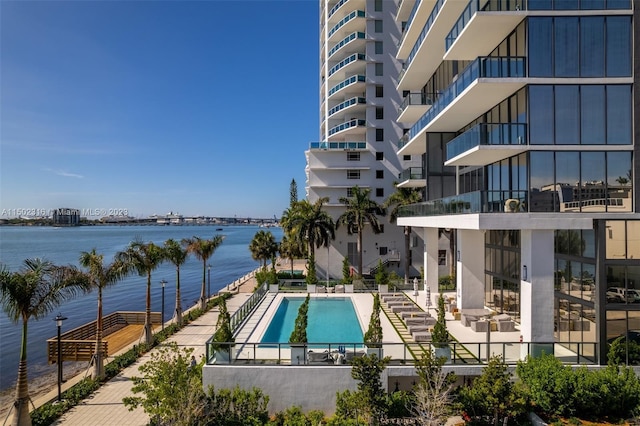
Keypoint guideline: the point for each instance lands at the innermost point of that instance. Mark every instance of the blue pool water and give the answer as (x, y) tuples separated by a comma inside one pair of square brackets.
[(330, 320)]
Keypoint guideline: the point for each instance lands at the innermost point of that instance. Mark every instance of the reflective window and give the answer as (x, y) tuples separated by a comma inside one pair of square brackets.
[(619, 115), (615, 236), (592, 46), (633, 248), (618, 36), (568, 180), (540, 47), (566, 49), (620, 193), (543, 197), (593, 189), (592, 117), (541, 115), (567, 115)]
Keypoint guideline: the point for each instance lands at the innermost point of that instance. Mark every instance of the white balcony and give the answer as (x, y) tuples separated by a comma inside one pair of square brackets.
[(404, 10), (427, 51), (339, 8), (482, 33), (354, 21), (413, 107), (414, 25)]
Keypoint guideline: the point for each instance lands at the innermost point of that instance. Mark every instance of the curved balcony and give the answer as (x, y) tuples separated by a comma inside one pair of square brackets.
[(413, 107), (470, 202), (350, 40), (481, 27), (333, 16), (348, 23), (347, 104), (413, 177), (418, 14), (338, 146), (349, 60), (347, 125), (355, 81), (404, 10), (487, 143), (484, 83), (426, 54)]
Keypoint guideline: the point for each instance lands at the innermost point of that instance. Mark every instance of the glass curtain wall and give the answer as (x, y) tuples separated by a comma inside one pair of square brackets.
[(502, 271)]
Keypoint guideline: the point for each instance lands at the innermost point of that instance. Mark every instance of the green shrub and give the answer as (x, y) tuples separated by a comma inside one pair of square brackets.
[(447, 282)]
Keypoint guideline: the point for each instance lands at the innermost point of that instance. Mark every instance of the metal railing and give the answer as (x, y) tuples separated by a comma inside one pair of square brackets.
[(415, 99), (411, 173), (339, 145), (247, 307), (462, 353), (470, 202), (347, 125)]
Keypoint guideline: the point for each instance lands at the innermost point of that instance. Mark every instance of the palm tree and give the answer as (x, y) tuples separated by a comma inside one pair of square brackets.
[(35, 291), (360, 210), (403, 197), (144, 258), (203, 249), (176, 254), (291, 249), (263, 247), (309, 224), (100, 277)]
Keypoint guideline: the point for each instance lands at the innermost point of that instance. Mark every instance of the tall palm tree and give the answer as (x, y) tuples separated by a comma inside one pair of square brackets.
[(176, 254), (203, 249), (100, 277), (263, 247), (144, 258), (309, 224), (33, 292), (400, 198), (291, 249), (360, 210)]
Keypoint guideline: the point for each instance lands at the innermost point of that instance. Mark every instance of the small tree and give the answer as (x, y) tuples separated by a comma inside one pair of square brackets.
[(382, 276), (373, 336), (312, 277), (433, 393), (346, 271), (299, 333), (492, 396), (367, 370), (171, 390), (440, 335), (223, 332)]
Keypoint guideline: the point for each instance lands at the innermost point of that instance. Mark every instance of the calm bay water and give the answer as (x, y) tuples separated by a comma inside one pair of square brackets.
[(63, 246)]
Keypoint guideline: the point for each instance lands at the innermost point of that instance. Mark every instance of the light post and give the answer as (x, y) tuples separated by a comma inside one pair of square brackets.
[(163, 282), (327, 269), (209, 282), (59, 319)]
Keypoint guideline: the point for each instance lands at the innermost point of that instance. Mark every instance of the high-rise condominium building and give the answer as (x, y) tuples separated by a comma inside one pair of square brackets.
[(359, 132), (525, 114)]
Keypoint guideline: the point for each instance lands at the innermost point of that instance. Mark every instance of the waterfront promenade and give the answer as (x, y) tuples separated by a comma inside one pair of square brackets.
[(105, 407)]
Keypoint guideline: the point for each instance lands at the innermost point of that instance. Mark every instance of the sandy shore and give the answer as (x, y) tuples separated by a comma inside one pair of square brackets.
[(47, 382)]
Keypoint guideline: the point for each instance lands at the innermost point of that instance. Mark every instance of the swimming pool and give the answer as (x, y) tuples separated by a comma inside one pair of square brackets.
[(330, 320)]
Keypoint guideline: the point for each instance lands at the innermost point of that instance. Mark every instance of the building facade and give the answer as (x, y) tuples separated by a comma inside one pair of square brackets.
[(532, 106), (359, 131)]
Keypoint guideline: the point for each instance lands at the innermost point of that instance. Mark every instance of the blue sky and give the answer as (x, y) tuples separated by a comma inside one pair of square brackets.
[(201, 108)]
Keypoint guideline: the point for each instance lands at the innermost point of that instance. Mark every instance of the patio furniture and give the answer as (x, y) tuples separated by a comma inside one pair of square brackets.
[(480, 325), (468, 319), (350, 355), (416, 314), (423, 336), (418, 328), (319, 357), (339, 288), (505, 322)]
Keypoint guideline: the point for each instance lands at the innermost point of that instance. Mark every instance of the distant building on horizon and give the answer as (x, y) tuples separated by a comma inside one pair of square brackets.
[(66, 217)]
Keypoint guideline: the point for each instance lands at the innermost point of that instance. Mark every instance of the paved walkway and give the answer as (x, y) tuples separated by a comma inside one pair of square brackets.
[(105, 406)]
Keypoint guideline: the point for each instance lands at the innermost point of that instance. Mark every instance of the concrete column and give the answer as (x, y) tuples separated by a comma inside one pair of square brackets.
[(430, 236), (470, 269), (536, 289)]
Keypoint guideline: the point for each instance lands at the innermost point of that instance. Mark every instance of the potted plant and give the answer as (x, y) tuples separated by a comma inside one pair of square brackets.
[(298, 337), (440, 336), (272, 278), (223, 335), (311, 278), (382, 278), (373, 336)]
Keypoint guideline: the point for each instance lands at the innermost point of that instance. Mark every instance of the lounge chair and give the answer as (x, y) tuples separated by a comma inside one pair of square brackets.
[(319, 357)]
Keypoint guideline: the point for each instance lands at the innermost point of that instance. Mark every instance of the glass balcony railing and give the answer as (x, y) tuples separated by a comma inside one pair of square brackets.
[(472, 8), (411, 173), (423, 33), (403, 140), (346, 104), (353, 15), (351, 80), (348, 39), (347, 125), (415, 99), (335, 8), (409, 21), (487, 134), (470, 202), (346, 61), (483, 67), (338, 145)]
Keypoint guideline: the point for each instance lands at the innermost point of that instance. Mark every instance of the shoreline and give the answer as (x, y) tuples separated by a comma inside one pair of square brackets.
[(43, 388)]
